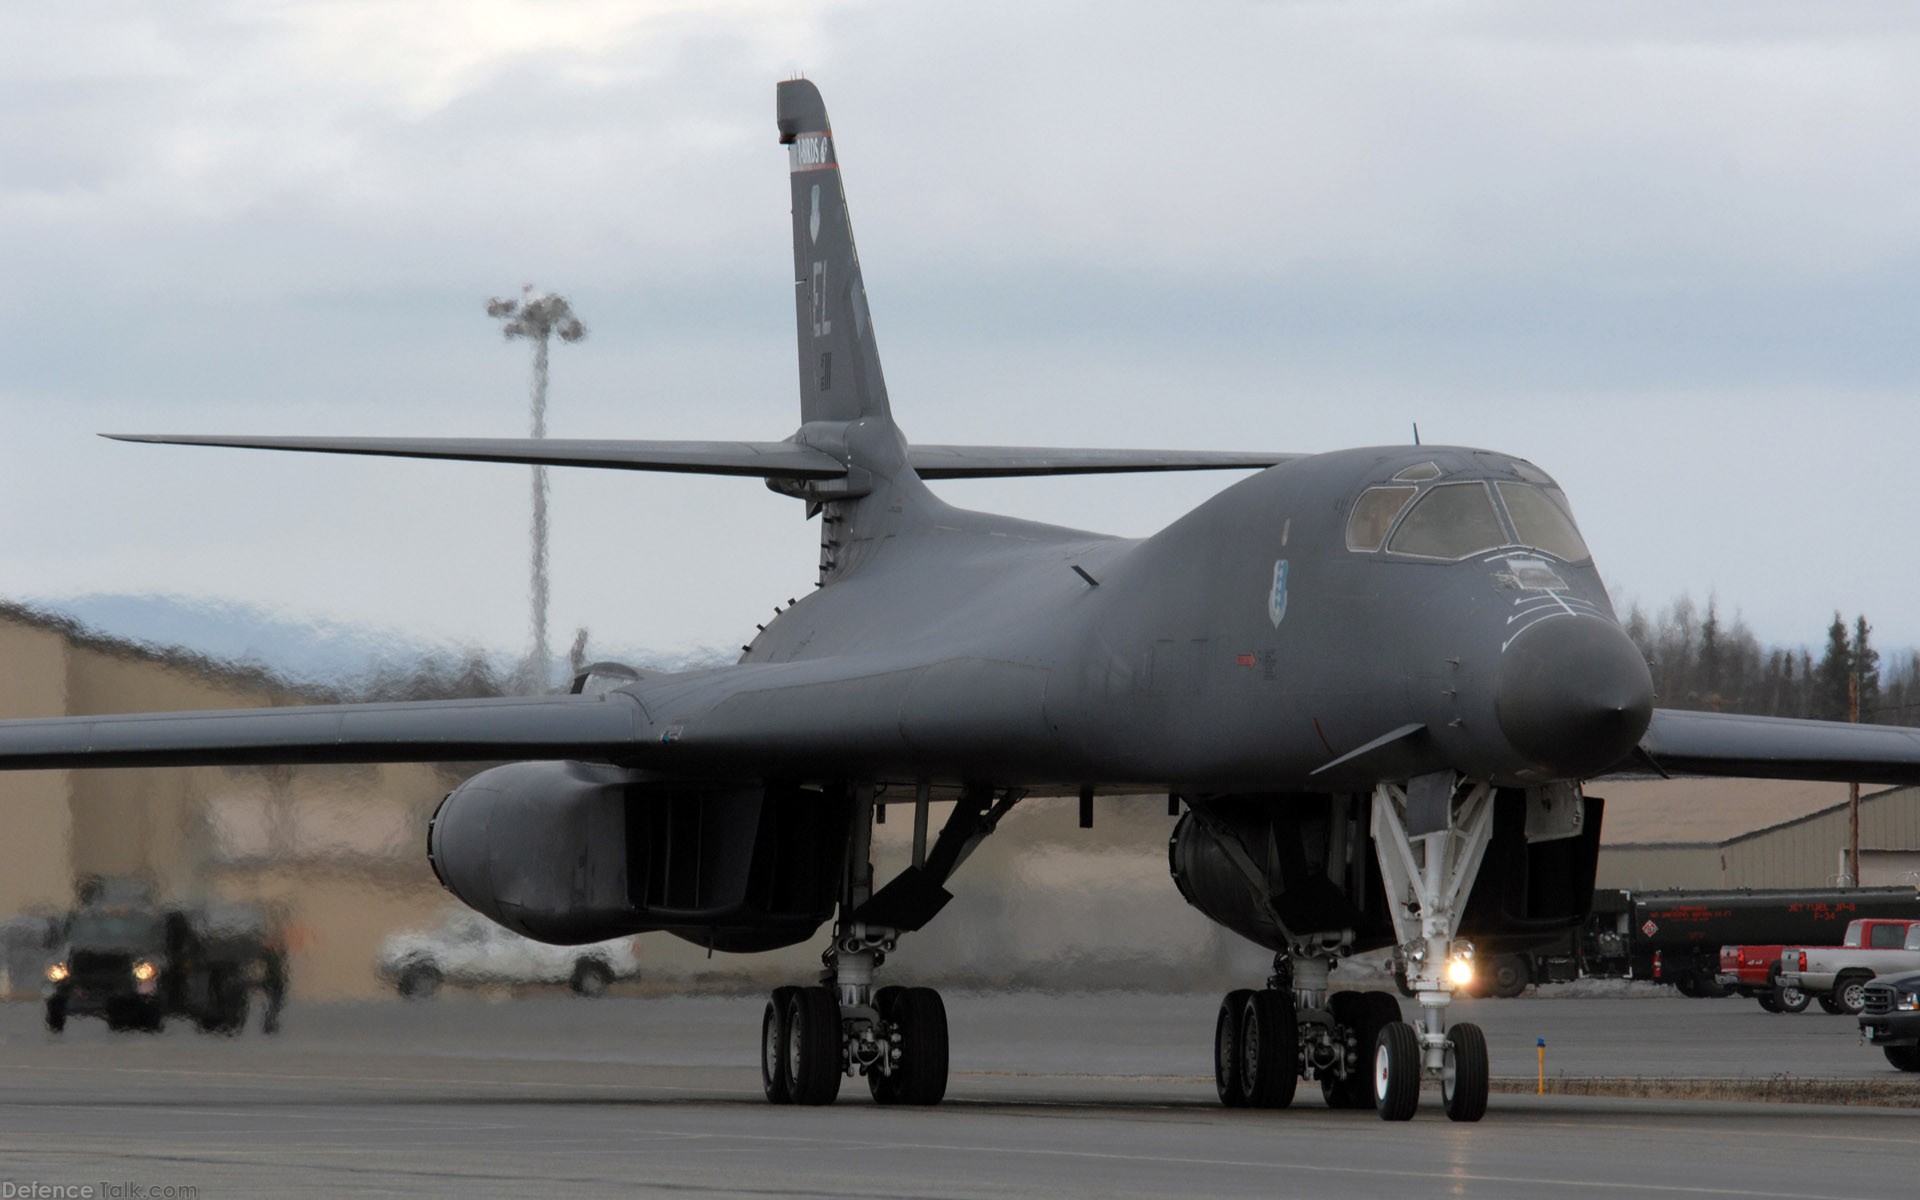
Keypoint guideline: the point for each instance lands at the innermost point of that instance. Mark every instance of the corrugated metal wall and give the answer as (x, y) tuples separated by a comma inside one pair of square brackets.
[(1802, 854)]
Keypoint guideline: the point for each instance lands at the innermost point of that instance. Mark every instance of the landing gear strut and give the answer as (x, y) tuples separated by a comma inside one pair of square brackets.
[(1430, 837)]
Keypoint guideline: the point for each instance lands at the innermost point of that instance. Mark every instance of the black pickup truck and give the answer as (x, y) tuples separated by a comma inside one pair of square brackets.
[(1890, 1018)]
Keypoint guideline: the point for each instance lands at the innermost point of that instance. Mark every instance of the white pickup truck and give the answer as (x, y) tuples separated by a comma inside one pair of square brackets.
[(1837, 975), (469, 949)]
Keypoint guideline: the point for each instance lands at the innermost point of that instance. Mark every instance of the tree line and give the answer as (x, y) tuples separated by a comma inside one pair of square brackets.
[(1702, 661)]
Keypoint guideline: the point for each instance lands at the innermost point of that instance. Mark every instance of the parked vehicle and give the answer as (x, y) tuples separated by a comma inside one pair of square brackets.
[(1890, 1018), (1837, 975), (136, 965), (468, 949), (1754, 972), (1675, 937)]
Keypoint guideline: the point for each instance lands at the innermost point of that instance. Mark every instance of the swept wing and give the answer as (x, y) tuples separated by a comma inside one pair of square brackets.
[(1705, 743), (586, 727)]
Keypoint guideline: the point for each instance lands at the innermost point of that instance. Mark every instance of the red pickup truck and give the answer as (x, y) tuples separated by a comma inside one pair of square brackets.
[(1754, 971)]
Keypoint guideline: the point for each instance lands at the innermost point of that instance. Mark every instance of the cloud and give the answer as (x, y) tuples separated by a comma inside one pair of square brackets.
[(1564, 230)]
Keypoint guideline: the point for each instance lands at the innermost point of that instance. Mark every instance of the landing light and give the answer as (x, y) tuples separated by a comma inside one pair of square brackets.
[(57, 972), (1460, 967), (144, 970)]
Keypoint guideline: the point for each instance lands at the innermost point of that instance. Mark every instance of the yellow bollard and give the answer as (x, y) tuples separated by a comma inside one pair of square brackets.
[(1543, 1068)]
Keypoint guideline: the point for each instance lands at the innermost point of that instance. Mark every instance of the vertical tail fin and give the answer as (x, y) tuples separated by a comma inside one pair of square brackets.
[(840, 376)]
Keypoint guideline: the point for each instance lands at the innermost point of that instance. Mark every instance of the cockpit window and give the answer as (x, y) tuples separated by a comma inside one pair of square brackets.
[(1373, 515), (1419, 473), (1530, 473), (1541, 519), (1452, 520)]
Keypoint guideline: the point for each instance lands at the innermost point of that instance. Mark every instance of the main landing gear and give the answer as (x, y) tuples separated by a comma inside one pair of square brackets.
[(813, 1038), (1265, 1042), (1355, 1044)]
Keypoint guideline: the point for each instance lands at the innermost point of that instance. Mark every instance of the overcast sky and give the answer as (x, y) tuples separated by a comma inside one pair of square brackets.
[(1670, 253)]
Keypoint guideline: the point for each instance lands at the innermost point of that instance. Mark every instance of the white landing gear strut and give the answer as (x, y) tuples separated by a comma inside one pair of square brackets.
[(1428, 874)]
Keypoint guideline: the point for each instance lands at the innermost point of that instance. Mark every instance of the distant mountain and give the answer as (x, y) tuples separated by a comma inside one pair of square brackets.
[(308, 651)]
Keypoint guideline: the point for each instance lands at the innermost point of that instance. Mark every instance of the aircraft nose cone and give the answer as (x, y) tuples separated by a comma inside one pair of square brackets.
[(1574, 695)]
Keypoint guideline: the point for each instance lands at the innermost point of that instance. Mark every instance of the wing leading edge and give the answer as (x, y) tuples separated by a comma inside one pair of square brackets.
[(601, 727), (766, 460), (1704, 743)]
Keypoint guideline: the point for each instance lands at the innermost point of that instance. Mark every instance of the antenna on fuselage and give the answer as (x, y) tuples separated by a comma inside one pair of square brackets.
[(1416, 433)]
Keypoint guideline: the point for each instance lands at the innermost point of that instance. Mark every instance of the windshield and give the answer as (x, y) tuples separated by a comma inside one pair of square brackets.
[(114, 929), (1373, 515), (1541, 519), (1452, 520)]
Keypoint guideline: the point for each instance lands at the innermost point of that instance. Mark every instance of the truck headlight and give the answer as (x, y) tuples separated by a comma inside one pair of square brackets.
[(1906, 1002), (57, 972), (144, 971)]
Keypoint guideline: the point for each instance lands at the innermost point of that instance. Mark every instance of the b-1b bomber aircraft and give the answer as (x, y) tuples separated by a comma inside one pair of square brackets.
[(1372, 682)]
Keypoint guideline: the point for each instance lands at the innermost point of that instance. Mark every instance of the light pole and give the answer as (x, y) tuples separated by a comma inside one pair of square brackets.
[(538, 317)]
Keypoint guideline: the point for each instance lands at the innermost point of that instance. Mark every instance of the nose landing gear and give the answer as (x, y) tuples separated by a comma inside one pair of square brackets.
[(1429, 838)]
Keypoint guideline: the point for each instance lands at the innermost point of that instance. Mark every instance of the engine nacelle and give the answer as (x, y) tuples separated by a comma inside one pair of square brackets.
[(1312, 853), (570, 853), (1315, 855)]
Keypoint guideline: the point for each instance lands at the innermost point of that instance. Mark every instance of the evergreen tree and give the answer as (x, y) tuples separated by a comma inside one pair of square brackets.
[(1710, 671), (1830, 687), (1866, 661)]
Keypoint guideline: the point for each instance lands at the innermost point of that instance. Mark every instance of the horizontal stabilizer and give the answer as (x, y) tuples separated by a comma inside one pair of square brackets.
[(1706, 743), (766, 460), (999, 462)]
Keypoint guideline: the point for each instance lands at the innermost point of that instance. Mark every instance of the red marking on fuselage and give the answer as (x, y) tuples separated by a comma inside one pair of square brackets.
[(1323, 737)]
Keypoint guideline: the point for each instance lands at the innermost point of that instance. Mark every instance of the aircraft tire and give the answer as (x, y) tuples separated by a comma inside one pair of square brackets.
[(1269, 1050), (1396, 1072), (813, 1046), (1465, 1094), (56, 1015), (773, 1047), (922, 1074), (1365, 1014), (1226, 1048)]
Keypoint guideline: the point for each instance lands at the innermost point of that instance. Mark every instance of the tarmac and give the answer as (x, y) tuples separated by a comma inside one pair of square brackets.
[(1089, 1094)]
